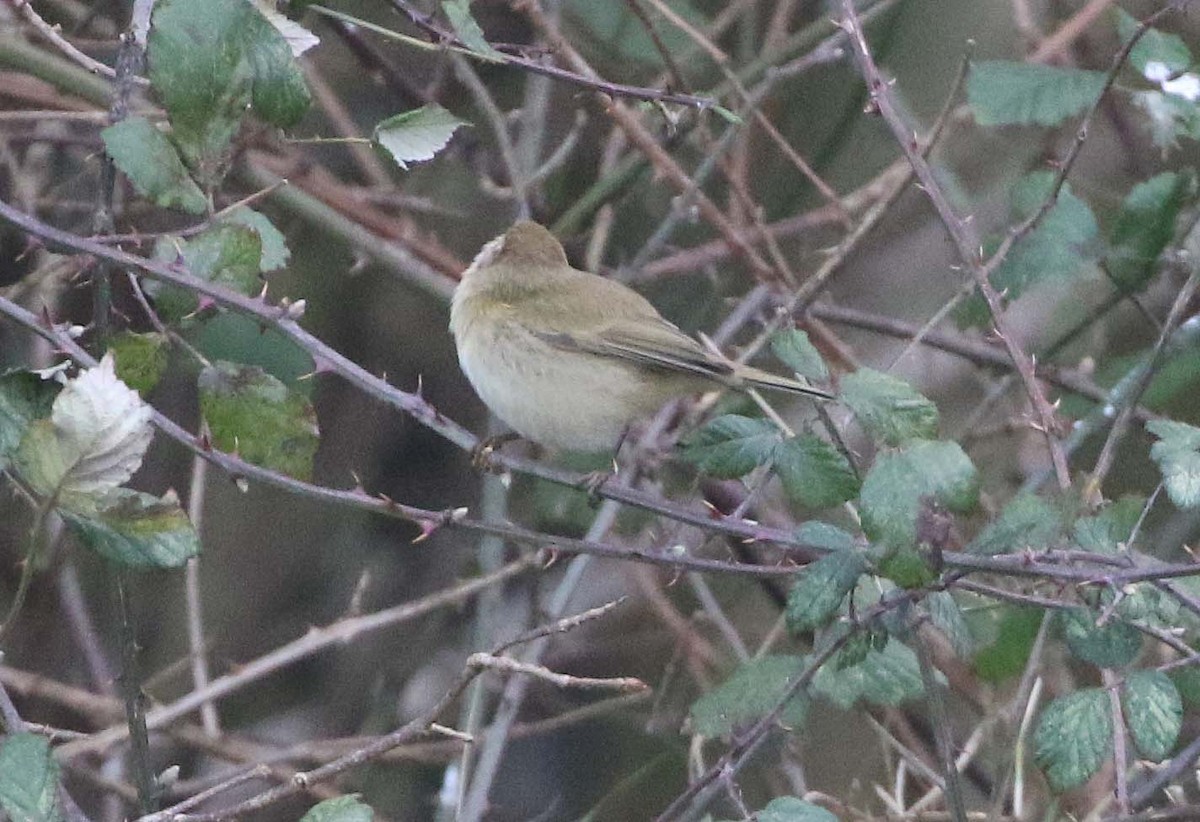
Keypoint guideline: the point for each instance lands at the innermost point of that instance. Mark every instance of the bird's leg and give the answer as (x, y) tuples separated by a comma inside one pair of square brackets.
[(593, 481), (481, 454)]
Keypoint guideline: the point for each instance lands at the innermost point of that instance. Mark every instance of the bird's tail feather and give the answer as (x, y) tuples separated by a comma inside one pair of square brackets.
[(755, 378)]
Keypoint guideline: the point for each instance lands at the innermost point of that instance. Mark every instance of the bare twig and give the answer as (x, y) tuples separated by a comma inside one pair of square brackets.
[(963, 236), (492, 662)]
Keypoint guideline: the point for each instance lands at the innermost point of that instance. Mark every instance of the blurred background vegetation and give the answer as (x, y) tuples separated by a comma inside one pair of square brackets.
[(275, 564)]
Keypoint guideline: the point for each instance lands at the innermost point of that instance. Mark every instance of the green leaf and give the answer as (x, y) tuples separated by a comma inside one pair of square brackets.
[(24, 397), (947, 617), (29, 779), (228, 255), (731, 446), (417, 135), (814, 472), (150, 161), (1006, 655), (749, 694), (211, 59), (791, 809), (1177, 453), (823, 535), (458, 12), (137, 530), (1056, 250), (1027, 522), (822, 586), (888, 407), (884, 677), (141, 358), (794, 350), (1073, 737), (1001, 93), (1109, 530), (254, 414), (93, 441), (339, 809), (1114, 644), (893, 491), (1187, 682), (1145, 226), (1153, 711), (1154, 47), (275, 252), (908, 565)]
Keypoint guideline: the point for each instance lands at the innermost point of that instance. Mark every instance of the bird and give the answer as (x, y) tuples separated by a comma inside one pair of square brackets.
[(569, 359)]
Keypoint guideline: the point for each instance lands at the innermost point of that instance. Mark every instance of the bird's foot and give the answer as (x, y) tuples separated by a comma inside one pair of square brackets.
[(593, 481), (481, 454)]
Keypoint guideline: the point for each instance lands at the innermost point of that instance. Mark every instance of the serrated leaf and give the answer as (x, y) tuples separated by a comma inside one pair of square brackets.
[(94, 440), (137, 530), (791, 809), (823, 535), (817, 594), (1187, 681), (228, 255), (1014, 634), (298, 38), (1145, 226), (1108, 531), (254, 414), (1027, 522), (888, 407), (1177, 454), (458, 12), (1114, 644), (339, 809), (814, 472), (149, 159), (275, 251), (893, 491), (1153, 711), (1154, 46), (884, 677), (29, 779), (1073, 737), (907, 565), (24, 397), (417, 135), (796, 351), (731, 446), (748, 695), (1056, 250), (211, 59), (1001, 92), (947, 617), (141, 358)]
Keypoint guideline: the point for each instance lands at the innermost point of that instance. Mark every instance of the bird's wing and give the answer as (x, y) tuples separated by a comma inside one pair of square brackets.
[(651, 341)]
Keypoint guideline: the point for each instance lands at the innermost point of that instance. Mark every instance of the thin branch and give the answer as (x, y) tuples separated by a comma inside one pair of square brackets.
[(584, 80), (961, 233), (52, 34), (492, 662)]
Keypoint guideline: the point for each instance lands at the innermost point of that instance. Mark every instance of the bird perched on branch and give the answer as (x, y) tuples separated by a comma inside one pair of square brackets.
[(569, 359)]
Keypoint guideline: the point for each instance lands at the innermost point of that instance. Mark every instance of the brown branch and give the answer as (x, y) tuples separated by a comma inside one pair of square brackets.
[(961, 233)]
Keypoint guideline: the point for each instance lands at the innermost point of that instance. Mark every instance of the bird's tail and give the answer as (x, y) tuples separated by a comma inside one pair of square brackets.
[(755, 378)]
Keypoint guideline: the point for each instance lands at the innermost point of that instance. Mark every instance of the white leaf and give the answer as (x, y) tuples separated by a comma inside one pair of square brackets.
[(417, 135), (298, 38), (94, 441)]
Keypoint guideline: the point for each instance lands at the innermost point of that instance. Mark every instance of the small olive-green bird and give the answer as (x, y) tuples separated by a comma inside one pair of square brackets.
[(569, 359)]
